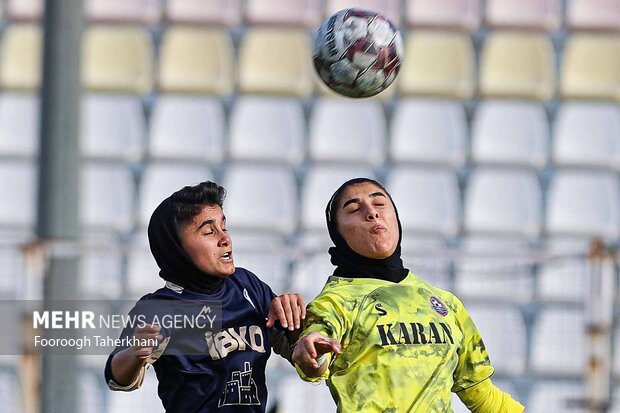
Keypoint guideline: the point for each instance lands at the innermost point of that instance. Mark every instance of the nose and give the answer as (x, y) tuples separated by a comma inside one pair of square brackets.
[(224, 239), (371, 213)]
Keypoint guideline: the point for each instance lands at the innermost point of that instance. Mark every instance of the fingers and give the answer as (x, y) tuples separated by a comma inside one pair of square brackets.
[(147, 337), (289, 309), (312, 346)]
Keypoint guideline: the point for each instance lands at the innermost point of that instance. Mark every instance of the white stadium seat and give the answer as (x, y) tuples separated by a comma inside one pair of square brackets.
[(285, 12), (427, 199), (297, 396), (563, 276), (587, 134), (556, 396), (19, 124), (143, 400), (510, 132), (10, 390), (261, 198), (348, 130), (503, 330), (584, 203), (18, 189), (107, 197), (320, 183), (310, 275), (101, 260), (271, 267), (226, 12), (495, 270), (90, 392), (188, 127), (112, 127), (503, 201), (142, 270), (162, 179), (267, 129), (424, 130), (559, 342)]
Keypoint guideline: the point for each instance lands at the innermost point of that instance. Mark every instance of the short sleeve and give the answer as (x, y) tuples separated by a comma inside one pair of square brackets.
[(474, 364)]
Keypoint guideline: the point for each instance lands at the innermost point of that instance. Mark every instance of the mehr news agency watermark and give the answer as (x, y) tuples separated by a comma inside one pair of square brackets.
[(98, 327)]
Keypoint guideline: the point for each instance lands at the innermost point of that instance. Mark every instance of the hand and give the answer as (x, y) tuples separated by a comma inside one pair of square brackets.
[(311, 347), (289, 309), (146, 332)]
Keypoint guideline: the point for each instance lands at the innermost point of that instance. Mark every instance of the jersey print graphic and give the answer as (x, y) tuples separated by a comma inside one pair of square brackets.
[(240, 390)]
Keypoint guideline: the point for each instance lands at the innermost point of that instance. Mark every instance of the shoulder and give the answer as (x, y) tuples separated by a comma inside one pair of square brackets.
[(435, 293)]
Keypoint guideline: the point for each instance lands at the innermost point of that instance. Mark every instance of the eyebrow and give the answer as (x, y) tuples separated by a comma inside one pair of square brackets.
[(209, 222), (354, 200)]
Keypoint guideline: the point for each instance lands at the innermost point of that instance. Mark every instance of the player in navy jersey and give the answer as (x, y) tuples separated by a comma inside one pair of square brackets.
[(216, 369)]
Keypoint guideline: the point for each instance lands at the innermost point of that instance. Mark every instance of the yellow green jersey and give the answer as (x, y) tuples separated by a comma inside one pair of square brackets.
[(405, 346)]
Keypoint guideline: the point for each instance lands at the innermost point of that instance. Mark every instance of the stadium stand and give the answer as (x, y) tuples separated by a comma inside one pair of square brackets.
[(429, 131), (19, 124), (449, 14), (216, 12), (519, 65), (503, 202), (438, 64), (591, 67), (276, 61), (344, 131), (21, 58), (305, 13), (563, 279), (587, 134), (506, 132), (392, 9), (197, 61), (543, 15), (18, 185), (555, 396), (24, 10), (267, 129), (122, 11), (593, 15)]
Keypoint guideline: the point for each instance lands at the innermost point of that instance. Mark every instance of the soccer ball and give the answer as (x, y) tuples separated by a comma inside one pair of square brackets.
[(357, 53)]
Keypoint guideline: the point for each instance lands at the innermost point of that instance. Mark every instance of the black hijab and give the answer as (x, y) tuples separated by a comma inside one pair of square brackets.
[(174, 263), (349, 263)]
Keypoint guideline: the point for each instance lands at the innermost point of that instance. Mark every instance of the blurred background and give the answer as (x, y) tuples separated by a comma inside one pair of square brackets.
[(499, 141)]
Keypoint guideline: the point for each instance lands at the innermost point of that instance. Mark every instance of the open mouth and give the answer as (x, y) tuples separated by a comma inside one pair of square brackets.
[(227, 256)]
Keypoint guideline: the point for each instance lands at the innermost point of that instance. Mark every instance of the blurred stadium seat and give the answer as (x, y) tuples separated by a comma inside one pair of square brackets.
[(438, 64), (106, 198), (19, 124), (142, 270), (222, 12), (270, 190), (587, 134), (593, 15), (21, 57), (347, 131), (112, 127), (24, 10), (508, 352), (267, 129), (583, 203), (162, 179), (494, 269), (297, 396), (196, 60), (188, 128), (556, 396), (519, 65), (141, 401), (429, 198), (276, 61), (452, 14), (310, 275), (526, 14), (101, 260), (392, 9), (117, 59), (283, 12), (591, 67), (431, 131), (563, 277), (510, 133), (270, 266), (18, 187), (558, 342), (123, 11), (503, 201)]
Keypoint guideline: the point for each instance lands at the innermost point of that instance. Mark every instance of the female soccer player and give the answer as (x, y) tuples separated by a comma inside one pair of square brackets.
[(385, 340), (202, 368)]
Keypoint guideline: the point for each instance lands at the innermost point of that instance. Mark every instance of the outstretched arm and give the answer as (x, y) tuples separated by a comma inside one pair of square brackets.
[(485, 397)]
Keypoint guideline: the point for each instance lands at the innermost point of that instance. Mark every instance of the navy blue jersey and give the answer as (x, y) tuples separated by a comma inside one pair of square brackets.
[(228, 372)]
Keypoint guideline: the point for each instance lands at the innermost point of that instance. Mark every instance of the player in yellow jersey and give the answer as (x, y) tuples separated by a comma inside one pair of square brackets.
[(385, 340)]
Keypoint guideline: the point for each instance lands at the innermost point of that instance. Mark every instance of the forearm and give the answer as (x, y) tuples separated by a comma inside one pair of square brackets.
[(126, 367), (485, 397)]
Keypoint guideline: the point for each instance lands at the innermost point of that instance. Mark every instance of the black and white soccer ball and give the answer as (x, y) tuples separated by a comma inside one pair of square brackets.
[(357, 53)]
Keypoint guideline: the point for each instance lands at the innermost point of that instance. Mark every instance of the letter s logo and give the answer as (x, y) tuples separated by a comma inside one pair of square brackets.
[(380, 309)]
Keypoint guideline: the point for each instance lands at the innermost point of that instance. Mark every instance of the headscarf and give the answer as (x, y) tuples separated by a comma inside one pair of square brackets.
[(174, 263), (353, 265)]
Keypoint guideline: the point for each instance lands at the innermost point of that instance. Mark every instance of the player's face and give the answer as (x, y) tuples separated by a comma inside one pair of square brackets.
[(366, 219), (207, 242)]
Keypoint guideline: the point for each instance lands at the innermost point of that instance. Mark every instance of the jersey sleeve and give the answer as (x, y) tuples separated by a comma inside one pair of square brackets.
[(474, 364), (327, 315)]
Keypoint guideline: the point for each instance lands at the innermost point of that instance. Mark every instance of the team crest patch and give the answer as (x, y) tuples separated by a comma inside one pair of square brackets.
[(438, 306)]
